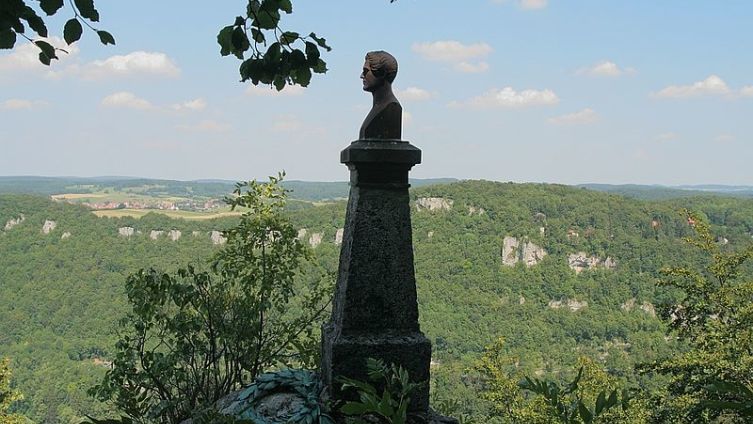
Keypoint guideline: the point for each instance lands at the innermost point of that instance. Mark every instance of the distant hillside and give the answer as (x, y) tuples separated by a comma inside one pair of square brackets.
[(557, 271), (658, 192), (196, 190)]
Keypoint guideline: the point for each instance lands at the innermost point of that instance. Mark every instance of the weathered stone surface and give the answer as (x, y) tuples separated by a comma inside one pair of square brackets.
[(49, 226), (580, 262), (195, 233), (648, 308), (65, 235), (514, 251), (174, 235), (217, 237), (572, 304), (434, 203), (301, 234), (13, 222), (315, 239), (473, 210), (339, 236), (155, 234), (125, 231), (375, 309)]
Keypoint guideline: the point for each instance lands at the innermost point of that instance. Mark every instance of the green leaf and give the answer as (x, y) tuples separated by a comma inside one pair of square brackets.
[(257, 35), (239, 21), (7, 38), (224, 39), (320, 41), (35, 22), (268, 16), (50, 6), (601, 400), (240, 42), (288, 37), (354, 408), (301, 76), (320, 67), (72, 31), (253, 8), (44, 58), (279, 82), (312, 53), (285, 5), (86, 9), (105, 37), (47, 49)]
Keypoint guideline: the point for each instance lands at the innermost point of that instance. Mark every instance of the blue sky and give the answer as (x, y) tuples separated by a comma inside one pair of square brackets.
[(561, 91)]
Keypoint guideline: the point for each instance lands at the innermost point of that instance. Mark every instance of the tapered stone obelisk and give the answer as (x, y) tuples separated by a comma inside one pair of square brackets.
[(375, 309)]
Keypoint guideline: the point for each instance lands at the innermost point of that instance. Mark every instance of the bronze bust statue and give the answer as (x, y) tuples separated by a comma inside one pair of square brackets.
[(384, 121)]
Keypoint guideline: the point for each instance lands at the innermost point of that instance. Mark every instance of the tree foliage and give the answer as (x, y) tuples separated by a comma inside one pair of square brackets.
[(14, 13), (714, 377), (194, 336), (8, 396)]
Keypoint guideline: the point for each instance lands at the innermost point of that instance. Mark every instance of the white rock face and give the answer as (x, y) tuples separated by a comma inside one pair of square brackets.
[(125, 231), (65, 235), (434, 203), (572, 304), (315, 239), (521, 300), (339, 236), (217, 238), (49, 226), (155, 234), (174, 235), (649, 309), (628, 305), (301, 234), (430, 234), (472, 210), (13, 222), (195, 233), (514, 251), (580, 262)]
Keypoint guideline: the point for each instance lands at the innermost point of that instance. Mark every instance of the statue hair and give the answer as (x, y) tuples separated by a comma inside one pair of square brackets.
[(382, 64)]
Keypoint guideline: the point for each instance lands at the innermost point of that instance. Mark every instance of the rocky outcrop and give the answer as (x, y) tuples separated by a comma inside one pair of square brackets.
[(301, 234), (174, 235), (646, 307), (649, 309), (433, 203), (49, 226), (217, 237), (473, 210), (125, 231), (580, 262), (572, 304), (13, 222), (195, 233), (65, 235), (315, 239), (155, 234), (339, 236), (514, 251), (430, 234)]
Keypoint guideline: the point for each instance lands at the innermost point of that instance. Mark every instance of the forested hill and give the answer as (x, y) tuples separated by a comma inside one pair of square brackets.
[(558, 271)]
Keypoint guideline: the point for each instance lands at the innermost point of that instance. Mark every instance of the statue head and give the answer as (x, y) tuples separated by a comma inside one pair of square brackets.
[(379, 67)]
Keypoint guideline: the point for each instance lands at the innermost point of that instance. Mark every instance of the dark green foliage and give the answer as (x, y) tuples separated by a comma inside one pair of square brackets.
[(194, 336), (278, 63), (391, 405), (13, 12)]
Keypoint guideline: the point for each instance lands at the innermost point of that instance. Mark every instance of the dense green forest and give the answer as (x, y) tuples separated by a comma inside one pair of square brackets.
[(61, 292)]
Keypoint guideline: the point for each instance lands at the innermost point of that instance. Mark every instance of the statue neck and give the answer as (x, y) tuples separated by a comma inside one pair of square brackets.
[(383, 96)]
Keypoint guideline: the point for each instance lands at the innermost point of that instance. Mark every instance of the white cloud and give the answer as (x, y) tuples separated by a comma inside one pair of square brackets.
[(664, 137), (585, 116), (527, 4), (747, 91), (19, 104), (193, 105), (266, 91), (605, 69), (206, 125), (126, 99), (472, 68), (533, 4), (407, 118), (451, 51), (25, 57), (508, 97), (413, 94), (724, 138), (135, 63), (287, 123), (713, 85)]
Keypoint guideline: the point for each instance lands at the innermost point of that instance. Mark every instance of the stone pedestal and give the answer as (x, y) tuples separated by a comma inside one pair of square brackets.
[(375, 310)]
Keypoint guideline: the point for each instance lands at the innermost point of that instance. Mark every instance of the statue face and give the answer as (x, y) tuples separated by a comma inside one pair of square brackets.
[(370, 81)]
